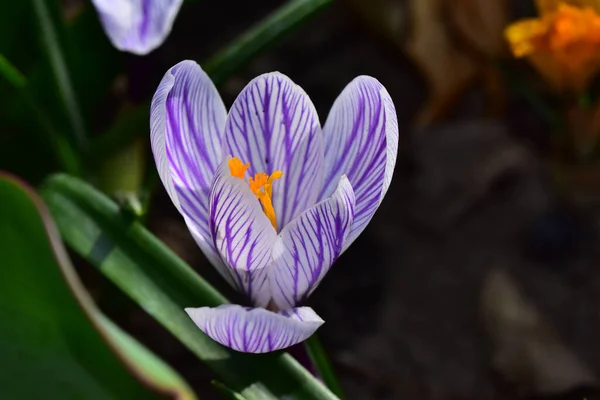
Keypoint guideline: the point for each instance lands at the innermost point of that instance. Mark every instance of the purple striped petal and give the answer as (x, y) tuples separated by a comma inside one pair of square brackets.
[(255, 330), (137, 26), (361, 141), (242, 234), (309, 245), (187, 121), (274, 126)]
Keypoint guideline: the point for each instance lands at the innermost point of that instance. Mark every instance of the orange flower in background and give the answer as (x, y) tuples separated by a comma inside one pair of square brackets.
[(563, 44)]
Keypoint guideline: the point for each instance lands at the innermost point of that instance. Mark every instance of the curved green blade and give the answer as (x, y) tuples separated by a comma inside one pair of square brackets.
[(162, 284), (54, 342)]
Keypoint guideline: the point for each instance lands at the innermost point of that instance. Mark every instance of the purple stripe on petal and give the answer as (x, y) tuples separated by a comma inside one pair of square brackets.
[(361, 141), (187, 121), (255, 330), (274, 126), (242, 234), (309, 245), (137, 26)]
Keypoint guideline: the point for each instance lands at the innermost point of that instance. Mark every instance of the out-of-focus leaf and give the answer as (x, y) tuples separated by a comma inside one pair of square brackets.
[(93, 67), (11, 74), (321, 361), (94, 64), (19, 129), (481, 24), (526, 351), (226, 392), (162, 284), (60, 72), (51, 347), (123, 172), (447, 69), (11, 16), (65, 154), (386, 17), (450, 65), (129, 126), (261, 36)]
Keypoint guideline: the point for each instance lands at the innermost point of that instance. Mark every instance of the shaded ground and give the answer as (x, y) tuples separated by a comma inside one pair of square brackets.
[(402, 304)]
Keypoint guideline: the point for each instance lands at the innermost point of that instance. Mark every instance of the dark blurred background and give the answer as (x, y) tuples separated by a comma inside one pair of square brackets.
[(477, 279)]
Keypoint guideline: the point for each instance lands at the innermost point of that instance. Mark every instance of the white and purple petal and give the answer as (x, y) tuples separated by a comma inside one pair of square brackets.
[(309, 245), (255, 330), (242, 234), (187, 120), (273, 125), (361, 141), (137, 26)]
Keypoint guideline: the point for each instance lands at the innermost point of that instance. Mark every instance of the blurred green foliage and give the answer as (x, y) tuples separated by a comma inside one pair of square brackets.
[(51, 347), (163, 285), (92, 65)]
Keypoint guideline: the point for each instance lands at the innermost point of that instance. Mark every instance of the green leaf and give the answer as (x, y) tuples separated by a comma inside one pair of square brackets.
[(50, 40), (226, 392), (54, 342), (11, 73), (260, 37), (162, 284), (93, 66), (319, 358), (66, 156), (12, 16)]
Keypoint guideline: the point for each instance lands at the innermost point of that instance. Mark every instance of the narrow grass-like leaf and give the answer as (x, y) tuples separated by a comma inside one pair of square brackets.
[(162, 284), (54, 342), (260, 37), (11, 73), (321, 361), (226, 392), (65, 154), (51, 44)]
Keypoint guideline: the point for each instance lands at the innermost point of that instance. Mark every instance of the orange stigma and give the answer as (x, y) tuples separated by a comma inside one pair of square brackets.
[(261, 185)]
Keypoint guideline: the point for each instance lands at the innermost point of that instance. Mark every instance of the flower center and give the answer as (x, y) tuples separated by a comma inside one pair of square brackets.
[(261, 185)]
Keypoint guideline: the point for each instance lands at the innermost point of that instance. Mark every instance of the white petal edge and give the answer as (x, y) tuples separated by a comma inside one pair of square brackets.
[(134, 29), (187, 147), (255, 330), (361, 141)]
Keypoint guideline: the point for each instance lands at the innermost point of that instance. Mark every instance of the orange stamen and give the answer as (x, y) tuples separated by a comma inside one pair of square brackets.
[(237, 168), (261, 185)]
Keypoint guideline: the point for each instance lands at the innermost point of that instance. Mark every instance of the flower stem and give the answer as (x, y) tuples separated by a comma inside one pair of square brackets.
[(319, 358), (51, 44)]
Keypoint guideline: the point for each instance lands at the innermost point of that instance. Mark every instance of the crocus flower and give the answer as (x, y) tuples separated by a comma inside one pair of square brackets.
[(270, 197), (137, 26), (563, 44)]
